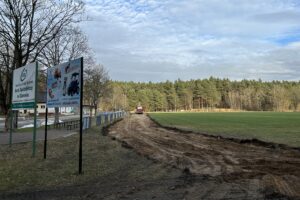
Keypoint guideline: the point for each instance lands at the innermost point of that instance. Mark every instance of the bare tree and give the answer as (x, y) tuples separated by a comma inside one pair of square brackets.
[(279, 100), (5, 79), (27, 27), (235, 100), (295, 97), (117, 98), (96, 85), (69, 44)]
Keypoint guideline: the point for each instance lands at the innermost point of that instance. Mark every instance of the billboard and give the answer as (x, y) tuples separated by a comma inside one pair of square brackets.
[(24, 82), (64, 84)]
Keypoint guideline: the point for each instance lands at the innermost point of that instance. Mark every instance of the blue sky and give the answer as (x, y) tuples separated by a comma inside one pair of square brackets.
[(158, 40)]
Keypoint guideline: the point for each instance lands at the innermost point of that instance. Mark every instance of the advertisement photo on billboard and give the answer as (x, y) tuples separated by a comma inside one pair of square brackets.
[(63, 84)]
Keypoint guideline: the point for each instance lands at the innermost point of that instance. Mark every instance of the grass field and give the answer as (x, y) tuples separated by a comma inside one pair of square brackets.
[(282, 128)]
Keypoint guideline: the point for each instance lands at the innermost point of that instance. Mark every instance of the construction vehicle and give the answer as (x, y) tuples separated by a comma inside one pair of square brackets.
[(139, 110)]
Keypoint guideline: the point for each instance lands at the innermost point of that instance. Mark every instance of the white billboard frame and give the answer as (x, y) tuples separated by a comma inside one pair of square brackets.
[(64, 84), (24, 87)]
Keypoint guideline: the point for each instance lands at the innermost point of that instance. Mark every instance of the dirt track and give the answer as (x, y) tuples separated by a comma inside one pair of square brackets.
[(233, 168)]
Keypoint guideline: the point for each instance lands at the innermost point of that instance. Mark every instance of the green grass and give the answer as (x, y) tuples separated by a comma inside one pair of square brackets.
[(277, 127)]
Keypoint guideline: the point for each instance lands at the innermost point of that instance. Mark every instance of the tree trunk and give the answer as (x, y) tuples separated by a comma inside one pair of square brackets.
[(91, 111), (7, 124), (95, 109)]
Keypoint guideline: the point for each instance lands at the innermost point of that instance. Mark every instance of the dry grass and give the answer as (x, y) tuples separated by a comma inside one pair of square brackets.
[(102, 157)]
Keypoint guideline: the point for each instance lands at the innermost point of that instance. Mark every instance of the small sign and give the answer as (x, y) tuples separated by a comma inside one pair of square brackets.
[(23, 95), (63, 84)]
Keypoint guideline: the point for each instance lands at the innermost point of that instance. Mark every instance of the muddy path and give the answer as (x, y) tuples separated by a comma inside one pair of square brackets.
[(232, 167)]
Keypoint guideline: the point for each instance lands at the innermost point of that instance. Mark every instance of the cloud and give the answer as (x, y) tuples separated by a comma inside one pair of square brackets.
[(155, 40)]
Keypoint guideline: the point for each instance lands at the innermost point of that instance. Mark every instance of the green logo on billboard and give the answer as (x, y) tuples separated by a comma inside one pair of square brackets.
[(23, 74)]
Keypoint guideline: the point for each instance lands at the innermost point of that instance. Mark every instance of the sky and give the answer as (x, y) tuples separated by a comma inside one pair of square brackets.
[(159, 40)]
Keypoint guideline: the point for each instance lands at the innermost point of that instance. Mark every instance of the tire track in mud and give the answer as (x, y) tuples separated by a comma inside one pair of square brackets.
[(260, 168)]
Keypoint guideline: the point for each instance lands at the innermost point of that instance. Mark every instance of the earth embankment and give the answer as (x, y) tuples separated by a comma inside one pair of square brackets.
[(255, 169)]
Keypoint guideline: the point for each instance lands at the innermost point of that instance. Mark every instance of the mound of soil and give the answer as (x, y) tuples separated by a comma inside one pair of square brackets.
[(218, 168)]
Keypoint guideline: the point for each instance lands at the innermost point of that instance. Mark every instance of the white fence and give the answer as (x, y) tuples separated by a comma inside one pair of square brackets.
[(106, 118)]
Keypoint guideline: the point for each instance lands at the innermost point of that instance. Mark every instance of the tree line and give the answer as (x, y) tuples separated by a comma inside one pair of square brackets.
[(203, 94)]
